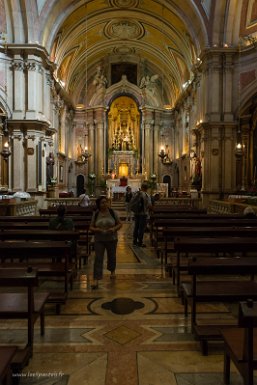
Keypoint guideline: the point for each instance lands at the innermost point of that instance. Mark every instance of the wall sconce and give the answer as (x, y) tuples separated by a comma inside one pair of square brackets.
[(83, 155), (6, 151), (164, 155), (239, 149)]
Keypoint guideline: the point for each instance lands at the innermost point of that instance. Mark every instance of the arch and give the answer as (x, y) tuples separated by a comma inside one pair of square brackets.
[(80, 184), (167, 179)]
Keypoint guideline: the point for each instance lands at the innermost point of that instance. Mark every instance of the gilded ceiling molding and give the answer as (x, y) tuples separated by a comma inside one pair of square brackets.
[(123, 50), (124, 3), (124, 29)]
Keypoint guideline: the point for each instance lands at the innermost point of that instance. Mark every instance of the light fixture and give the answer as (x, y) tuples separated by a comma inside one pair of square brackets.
[(85, 155), (239, 149), (5, 151), (164, 155)]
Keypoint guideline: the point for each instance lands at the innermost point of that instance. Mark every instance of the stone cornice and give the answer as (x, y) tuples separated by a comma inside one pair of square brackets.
[(32, 125), (29, 49)]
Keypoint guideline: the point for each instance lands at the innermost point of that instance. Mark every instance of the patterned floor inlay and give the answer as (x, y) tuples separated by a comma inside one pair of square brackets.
[(206, 378), (122, 335), (123, 305)]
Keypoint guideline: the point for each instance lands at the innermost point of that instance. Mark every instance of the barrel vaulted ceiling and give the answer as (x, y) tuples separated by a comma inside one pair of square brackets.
[(163, 37)]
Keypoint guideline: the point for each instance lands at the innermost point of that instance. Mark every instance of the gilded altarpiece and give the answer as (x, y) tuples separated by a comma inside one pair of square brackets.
[(124, 137)]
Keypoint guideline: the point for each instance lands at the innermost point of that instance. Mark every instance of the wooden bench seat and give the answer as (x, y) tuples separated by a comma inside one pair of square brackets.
[(43, 256), (231, 290), (218, 291), (240, 343), (212, 246), (29, 305), (6, 355), (15, 305)]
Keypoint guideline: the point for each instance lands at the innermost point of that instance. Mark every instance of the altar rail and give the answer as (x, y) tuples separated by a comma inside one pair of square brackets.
[(179, 202), (52, 202), (11, 207), (227, 207)]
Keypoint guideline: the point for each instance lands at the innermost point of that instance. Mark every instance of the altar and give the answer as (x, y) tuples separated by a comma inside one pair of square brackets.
[(114, 190), (123, 163)]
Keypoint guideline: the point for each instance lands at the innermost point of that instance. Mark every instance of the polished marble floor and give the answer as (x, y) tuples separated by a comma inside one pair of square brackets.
[(131, 331)]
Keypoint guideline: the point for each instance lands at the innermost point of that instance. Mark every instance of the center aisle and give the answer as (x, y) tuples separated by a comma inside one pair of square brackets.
[(130, 331)]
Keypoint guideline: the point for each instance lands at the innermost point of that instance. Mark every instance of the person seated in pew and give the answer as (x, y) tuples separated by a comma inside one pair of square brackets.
[(60, 222), (249, 212)]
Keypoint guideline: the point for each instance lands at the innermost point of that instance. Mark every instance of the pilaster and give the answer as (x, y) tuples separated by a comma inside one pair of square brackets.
[(18, 173)]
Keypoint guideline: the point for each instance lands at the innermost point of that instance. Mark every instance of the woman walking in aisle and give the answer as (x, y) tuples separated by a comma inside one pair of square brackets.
[(105, 223)]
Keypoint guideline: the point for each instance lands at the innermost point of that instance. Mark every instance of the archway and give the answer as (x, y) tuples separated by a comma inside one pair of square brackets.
[(80, 184), (167, 179)]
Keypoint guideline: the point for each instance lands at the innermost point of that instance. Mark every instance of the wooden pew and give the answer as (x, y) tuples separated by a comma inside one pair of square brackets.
[(40, 231), (6, 355), (157, 208), (28, 305), (171, 233), (50, 258), (38, 219), (70, 211), (210, 246), (158, 224), (42, 235), (240, 344), (78, 225), (222, 290)]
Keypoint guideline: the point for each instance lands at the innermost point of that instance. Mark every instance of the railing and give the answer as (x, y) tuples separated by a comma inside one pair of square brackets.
[(226, 207), (51, 202), (11, 207), (179, 202)]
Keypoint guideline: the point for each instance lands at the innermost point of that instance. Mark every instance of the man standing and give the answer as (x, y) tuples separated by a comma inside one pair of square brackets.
[(84, 199), (141, 215)]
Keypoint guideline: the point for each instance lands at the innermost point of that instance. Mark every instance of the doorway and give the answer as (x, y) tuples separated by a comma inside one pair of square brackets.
[(80, 184), (166, 179)]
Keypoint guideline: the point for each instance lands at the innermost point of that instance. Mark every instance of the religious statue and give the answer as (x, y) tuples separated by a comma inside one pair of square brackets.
[(79, 153), (149, 83), (49, 168), (197, 173), (100, 80)]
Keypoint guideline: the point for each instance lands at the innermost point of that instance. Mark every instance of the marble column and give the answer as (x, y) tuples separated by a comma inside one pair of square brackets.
[(99, 149), (228, 68), (32, 89), (31, 162), (18, 174), (91, 142), (48, 84), (18, 84), (156, 147)]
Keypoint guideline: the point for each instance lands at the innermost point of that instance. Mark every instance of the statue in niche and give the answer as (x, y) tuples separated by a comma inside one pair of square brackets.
[(49, 168), (79, 153), (149, 83), (100, 80)]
